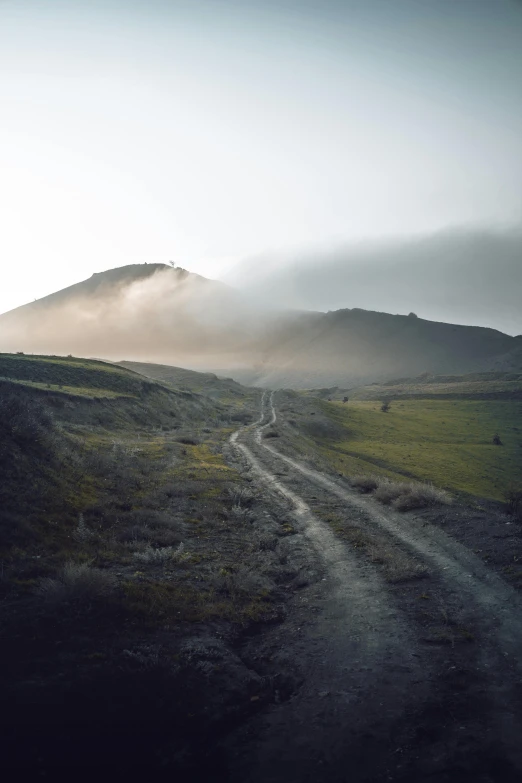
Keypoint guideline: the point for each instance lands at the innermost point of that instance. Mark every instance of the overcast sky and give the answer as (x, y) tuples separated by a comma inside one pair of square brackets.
[(209, 131)]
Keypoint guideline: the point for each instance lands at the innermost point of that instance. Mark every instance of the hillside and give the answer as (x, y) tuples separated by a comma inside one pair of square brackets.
[(143, 312), (168, 577), (482, 385), (208, 384), (122, 533), (155, 314), (466, 276), (350, 347)]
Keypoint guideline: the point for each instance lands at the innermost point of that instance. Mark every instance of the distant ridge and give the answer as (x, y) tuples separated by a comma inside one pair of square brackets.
[(154, 313)]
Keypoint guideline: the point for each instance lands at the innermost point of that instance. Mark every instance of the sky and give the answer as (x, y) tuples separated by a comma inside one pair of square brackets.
[(208, 132)]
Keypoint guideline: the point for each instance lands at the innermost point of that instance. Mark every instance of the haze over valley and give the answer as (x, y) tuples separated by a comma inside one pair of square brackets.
[(261, 390), (160, 314)]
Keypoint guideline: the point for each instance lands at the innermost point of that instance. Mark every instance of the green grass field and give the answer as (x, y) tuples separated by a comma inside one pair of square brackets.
[(447, 442), (84, 377)]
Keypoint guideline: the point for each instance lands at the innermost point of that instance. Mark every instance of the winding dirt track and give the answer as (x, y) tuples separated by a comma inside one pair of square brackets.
[(368, 677)]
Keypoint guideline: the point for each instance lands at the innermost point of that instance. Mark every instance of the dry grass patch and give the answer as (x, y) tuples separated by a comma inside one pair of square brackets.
[(402, 495), (397, 565), (153, 554), (421, 496), (77, 583), (364, 484)]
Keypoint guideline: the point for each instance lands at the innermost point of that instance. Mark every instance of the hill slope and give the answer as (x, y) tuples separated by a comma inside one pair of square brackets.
[(152, 313), (349, 347), (147, 311)]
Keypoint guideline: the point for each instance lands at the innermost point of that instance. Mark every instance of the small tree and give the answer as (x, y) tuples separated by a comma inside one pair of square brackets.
[(345, 399), (497, 441), (385, 407)]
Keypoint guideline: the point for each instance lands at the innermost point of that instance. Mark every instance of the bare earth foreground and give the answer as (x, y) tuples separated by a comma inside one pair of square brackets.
[(409, 673)]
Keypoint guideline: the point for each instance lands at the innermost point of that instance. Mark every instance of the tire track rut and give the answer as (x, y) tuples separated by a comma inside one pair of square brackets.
[(365, 669)]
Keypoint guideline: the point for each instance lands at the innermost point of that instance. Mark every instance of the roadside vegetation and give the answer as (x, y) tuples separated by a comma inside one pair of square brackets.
[(402, 495), (132, 559), (450, 443)]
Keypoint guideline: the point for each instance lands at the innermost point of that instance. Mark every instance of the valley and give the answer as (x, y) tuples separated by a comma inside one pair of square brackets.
[(152, 313), (261, 391), (201, 577)]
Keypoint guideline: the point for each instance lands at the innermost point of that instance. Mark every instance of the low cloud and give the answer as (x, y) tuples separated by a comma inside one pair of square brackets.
[(457, 276), (167, 315)]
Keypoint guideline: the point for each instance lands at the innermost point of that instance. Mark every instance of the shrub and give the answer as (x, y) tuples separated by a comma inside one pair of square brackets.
[(77, 583), (159, 554), (272, 434), (188, 440), (497, 441), (402, 495), (364, 483), (385, 407), (241, 496), (421, 496), (388, 491)]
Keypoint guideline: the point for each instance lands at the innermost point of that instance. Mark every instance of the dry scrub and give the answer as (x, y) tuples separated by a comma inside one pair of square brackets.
[(77, 583), (403, 496)]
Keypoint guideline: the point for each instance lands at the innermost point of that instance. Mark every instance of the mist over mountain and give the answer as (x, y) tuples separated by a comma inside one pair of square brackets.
[(140, 311), (457, 276), (155, 313)]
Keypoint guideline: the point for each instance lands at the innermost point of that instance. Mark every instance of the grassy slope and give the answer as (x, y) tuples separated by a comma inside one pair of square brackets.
[(105, 482), (131, 447), (207, 384), (447, 442), (84, 377), (494, 385)]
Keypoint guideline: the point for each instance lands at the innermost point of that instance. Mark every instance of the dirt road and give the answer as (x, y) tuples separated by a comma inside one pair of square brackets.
[(409, 674)]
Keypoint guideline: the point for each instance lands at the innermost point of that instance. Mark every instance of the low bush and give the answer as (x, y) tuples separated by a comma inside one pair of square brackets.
[(403, 496), (152, 554), (388, 491), (243, 497), (77, 583), (421, 496), (364, 484)]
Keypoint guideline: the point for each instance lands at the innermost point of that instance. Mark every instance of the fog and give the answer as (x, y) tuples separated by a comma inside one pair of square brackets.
[(153, 313), (462, 276)]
